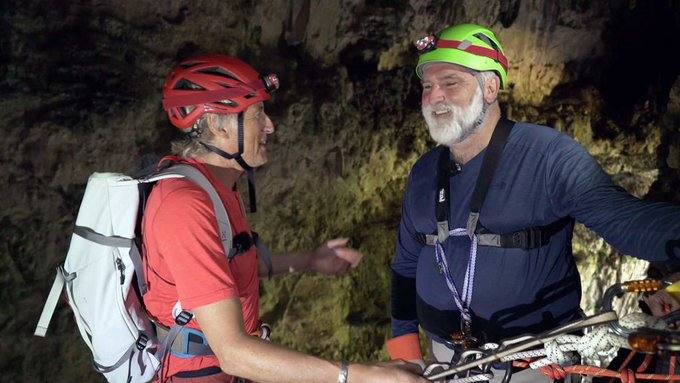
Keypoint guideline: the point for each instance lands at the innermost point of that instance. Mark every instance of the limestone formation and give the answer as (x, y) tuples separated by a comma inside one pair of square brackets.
[(81, 93)]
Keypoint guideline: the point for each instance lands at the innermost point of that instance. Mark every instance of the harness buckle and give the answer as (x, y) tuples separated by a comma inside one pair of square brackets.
[(528, 239), (534, 239), (183, 318), (519, 239)]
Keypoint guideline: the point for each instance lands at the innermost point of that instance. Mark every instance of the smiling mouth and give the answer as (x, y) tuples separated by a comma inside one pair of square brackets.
[(440, 113)]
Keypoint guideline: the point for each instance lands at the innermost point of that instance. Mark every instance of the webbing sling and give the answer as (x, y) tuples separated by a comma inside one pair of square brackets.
[(530, 238)]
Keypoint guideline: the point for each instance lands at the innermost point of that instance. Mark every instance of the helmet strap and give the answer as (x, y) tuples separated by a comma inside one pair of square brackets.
[(485, 105), (482, 115), (239, 159)]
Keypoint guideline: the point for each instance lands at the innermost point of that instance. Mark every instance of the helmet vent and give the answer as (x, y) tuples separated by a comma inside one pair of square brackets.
[(227, 102), (215, 71), (186, 110), (188, 65), (488, 41), (185, 84)]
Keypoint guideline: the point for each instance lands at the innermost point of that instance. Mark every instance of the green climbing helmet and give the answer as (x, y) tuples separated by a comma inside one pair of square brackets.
[(468, 45)]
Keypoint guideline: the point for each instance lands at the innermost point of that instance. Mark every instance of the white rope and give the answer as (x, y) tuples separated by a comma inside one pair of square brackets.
[(598, 344), (524, 355), (595, 345), (473, 378)]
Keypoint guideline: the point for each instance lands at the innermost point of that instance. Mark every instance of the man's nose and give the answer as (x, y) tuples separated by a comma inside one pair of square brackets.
[(436, 94)]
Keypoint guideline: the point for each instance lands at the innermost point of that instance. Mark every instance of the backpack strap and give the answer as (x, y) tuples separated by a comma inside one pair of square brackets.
[(50, 305), (183, 341), (226, 235), (116, 241), (63, 278), (195, 176), (264, 254)]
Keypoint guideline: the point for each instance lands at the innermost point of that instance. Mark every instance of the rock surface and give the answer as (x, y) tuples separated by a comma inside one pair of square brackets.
[(81, 93)]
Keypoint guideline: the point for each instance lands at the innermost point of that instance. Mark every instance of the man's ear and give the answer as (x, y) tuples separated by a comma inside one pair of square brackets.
[(492, 86), (217, 125)]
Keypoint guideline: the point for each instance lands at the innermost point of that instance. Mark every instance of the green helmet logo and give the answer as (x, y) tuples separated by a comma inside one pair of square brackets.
[(468, 45)]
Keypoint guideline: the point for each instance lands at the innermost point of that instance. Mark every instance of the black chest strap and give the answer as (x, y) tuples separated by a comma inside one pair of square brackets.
[(530, 238), (446, 168), (494, 151)]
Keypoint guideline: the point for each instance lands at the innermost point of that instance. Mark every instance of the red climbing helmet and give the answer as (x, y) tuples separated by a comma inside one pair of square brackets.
[(217, 84)]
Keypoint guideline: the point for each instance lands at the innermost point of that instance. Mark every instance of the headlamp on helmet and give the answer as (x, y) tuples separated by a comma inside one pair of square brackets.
[(426, 44), (271, 82)]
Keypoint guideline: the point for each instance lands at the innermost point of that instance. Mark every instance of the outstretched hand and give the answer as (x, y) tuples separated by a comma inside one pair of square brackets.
[(334, 257), (661, 303)]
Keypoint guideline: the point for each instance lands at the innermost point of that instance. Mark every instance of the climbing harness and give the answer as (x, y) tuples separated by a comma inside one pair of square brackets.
[(527, 239)]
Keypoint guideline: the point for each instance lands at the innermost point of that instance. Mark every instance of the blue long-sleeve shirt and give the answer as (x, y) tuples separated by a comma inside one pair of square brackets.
[(543, 176)]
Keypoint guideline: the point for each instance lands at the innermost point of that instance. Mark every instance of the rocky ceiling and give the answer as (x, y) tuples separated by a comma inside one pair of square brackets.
[(81, 87)]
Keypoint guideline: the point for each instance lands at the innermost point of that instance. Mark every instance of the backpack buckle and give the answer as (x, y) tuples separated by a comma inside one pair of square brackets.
[(142, 341), (241, 243), (183, 318)]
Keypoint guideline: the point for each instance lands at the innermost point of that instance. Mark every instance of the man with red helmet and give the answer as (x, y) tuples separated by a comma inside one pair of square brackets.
[(218, 102)]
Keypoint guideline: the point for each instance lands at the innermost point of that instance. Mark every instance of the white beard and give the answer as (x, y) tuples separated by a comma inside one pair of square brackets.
[(462, 122)]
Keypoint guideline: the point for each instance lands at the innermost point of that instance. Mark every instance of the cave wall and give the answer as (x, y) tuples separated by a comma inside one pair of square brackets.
[(81, 87)]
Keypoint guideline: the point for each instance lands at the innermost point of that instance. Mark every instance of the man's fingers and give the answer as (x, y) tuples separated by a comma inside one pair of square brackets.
[(337, 242), (349, 255)]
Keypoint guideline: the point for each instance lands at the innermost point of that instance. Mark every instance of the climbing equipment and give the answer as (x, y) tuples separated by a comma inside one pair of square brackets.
[(645, 334)]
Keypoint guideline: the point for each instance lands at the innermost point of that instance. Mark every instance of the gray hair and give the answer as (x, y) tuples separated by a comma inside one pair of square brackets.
[(190, 145), (483, 77)]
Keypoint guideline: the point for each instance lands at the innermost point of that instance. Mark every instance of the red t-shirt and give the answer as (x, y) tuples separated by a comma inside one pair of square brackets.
[(185, 261)]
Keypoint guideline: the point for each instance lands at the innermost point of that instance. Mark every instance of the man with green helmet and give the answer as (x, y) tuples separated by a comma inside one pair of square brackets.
[(484, 245)]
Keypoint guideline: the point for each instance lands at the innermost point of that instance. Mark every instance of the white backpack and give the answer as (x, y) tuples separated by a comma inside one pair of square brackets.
[(102, 263)]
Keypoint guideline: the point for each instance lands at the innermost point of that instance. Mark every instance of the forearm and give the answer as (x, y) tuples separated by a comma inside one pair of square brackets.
[(264, 362), (285, 263), (251, 358)]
